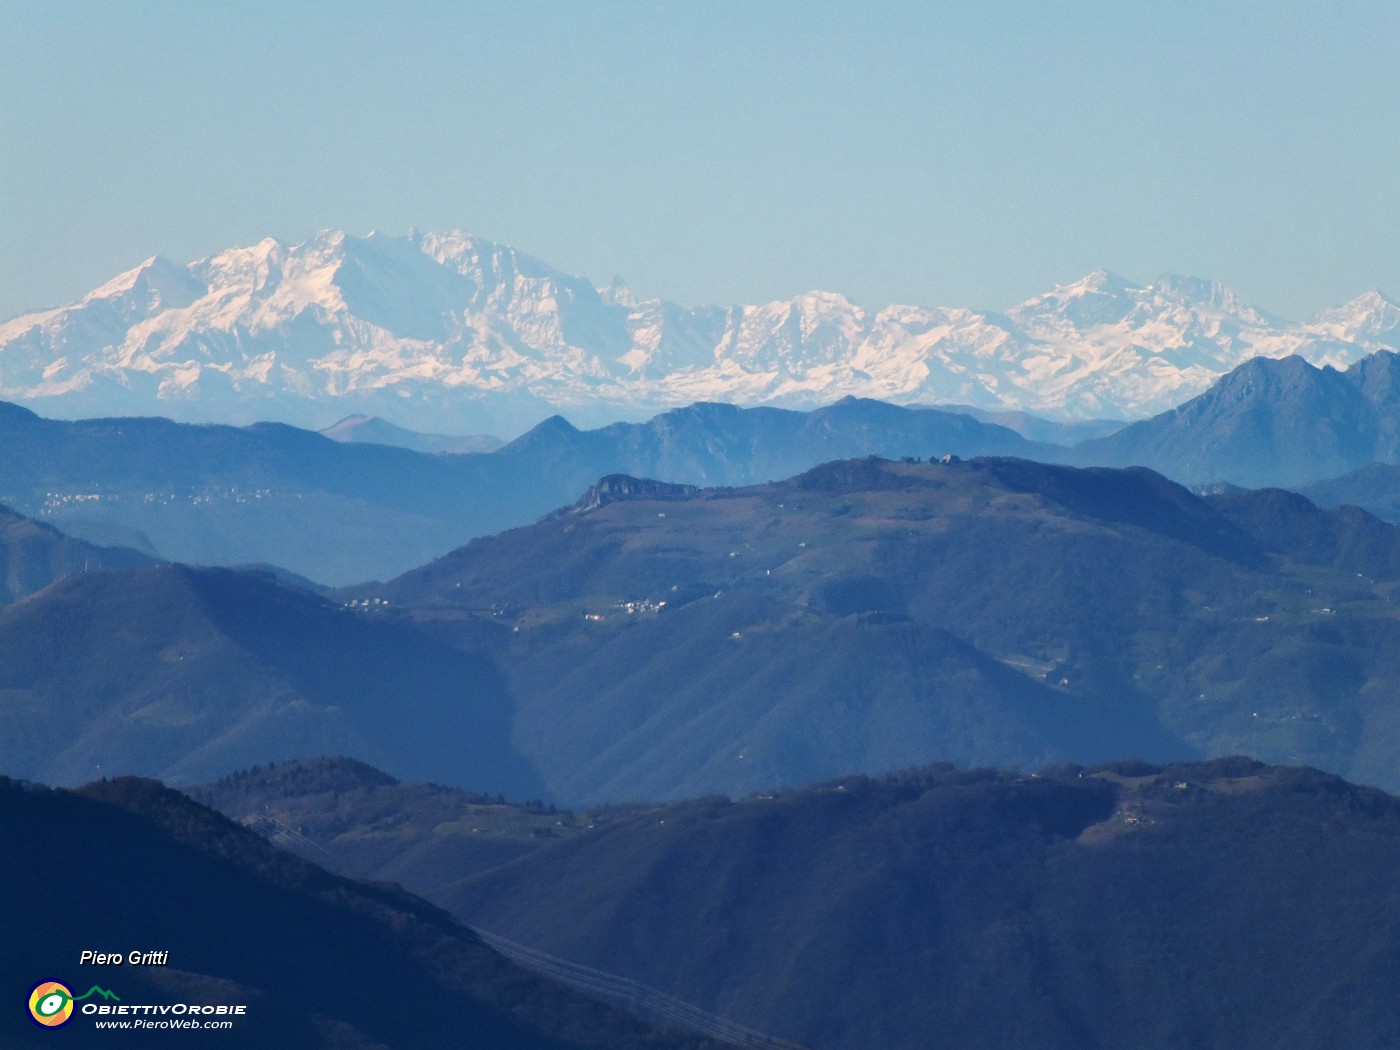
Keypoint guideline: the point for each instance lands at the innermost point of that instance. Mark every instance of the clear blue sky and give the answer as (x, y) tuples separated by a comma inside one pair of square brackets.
[(939, 153)]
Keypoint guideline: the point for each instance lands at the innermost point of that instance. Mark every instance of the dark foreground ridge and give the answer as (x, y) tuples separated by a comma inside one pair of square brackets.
[(1128, 906), (319, 960)]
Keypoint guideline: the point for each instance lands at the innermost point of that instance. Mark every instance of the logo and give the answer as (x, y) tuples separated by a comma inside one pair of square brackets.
[(51, 1003)]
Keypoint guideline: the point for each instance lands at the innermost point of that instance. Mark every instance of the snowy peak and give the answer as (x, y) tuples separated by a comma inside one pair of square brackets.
[(487, 264), (806, 311), (617, 293), (392, 285), (243, 270), (1106, 298), (1200, 294), (770, 339), (1372, 316), (156, 284), (459, 334), (1101, 297)]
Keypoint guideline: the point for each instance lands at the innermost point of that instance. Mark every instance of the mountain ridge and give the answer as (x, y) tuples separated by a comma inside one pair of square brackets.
[(1108, 904), (34, 555), (373, 430), (656, 641), (456, 331), (340, 512), (871, 614), (1268, 422), (1077, 907), (318, 960), (184, 673)]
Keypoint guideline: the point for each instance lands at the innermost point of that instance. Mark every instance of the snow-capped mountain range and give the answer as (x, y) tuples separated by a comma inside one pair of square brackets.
[(451, 332)]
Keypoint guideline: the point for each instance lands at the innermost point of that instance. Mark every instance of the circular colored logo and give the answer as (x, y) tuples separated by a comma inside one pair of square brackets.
[(50, 1004)]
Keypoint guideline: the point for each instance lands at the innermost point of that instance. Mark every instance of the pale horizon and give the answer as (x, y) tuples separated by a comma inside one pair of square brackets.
[(895, 153)]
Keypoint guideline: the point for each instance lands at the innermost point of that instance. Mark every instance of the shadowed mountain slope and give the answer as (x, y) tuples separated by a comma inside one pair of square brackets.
[(1130, 906), (185, 673), (657, 642), (34, 555), (1376, 488), (319, 961), (1133, 907), (358, 820), (1347, 538), (1268, 422)]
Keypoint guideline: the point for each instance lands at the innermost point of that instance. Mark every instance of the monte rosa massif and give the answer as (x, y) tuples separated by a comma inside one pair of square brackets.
[(451, 332)]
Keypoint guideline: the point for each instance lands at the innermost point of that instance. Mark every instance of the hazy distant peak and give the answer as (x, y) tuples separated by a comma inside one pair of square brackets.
[(555, 430), (348, 422), (1103, 280), (1101, 297), (361, 428), (1097, 282), (617, 293), (1371, 315), (816, 299), (1370, 300), (1198, 291), (555, 424), (1274, 371), (470, 255)]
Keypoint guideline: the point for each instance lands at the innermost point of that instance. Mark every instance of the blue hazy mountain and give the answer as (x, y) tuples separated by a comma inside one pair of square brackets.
[(1268, 422), (342, 512)]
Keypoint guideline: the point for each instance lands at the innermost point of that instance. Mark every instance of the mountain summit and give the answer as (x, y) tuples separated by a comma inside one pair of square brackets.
[(448, 330)]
